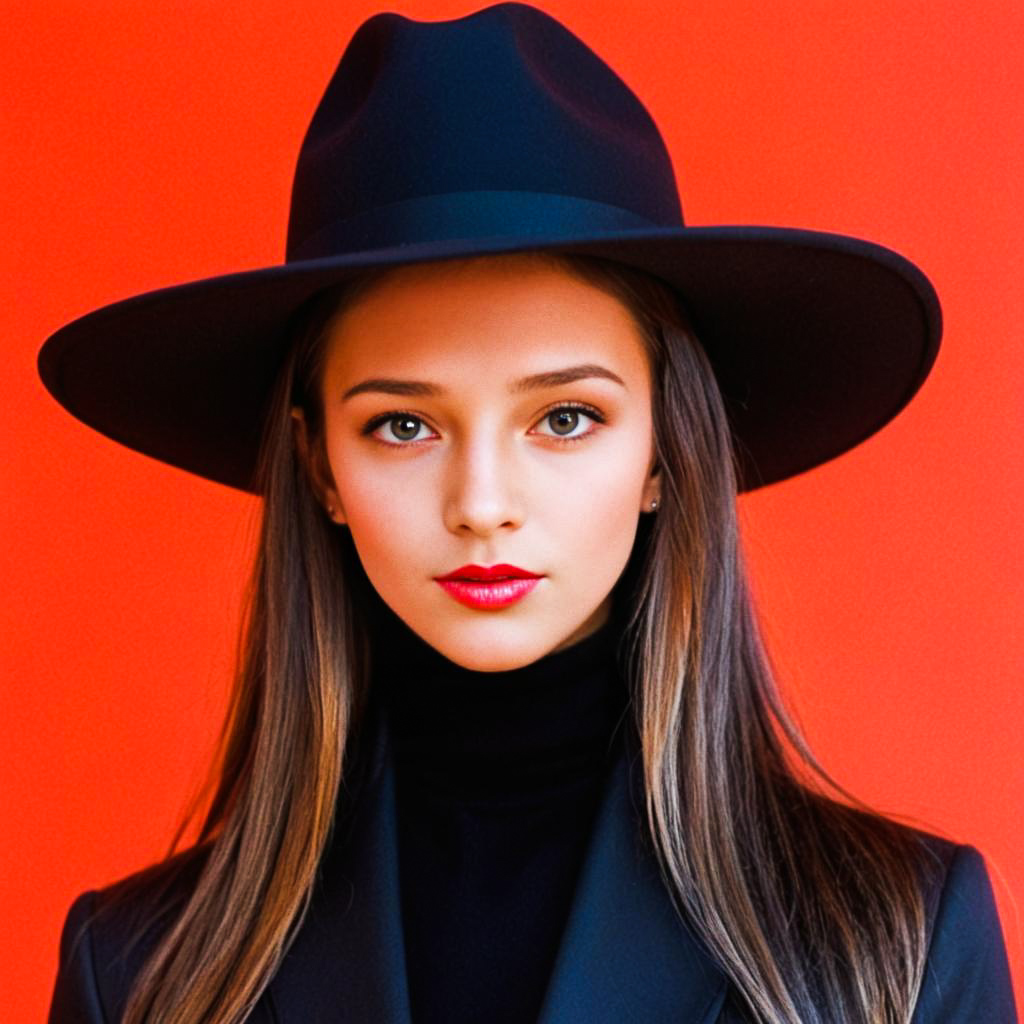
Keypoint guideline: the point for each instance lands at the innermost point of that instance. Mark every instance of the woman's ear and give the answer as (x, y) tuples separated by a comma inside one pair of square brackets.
[(315, 465), (650, 498)]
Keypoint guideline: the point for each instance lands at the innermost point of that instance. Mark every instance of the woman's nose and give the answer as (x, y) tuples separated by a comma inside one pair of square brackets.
[(484, 489)]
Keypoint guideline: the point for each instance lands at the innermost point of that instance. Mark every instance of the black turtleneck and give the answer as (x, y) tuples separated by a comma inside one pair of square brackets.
[(498, 778)]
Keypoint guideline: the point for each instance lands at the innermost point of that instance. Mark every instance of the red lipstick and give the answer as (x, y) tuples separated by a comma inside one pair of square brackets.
[(489, 587)]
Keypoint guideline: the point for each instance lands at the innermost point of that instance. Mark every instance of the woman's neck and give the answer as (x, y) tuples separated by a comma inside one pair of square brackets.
[(500, 736)]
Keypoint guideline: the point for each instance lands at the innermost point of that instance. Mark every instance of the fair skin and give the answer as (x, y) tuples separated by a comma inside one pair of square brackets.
[(489, 463)]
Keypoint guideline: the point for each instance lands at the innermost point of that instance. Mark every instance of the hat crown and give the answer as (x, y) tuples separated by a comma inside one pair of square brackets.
[(500, 122)]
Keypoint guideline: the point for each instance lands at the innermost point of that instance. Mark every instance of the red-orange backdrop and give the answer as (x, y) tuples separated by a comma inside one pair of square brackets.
[(149, 144)]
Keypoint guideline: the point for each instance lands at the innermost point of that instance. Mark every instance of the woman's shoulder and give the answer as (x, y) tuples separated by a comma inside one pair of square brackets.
[(958, 885), (966, 976), (943, 866), (109, 932), (967, 973)]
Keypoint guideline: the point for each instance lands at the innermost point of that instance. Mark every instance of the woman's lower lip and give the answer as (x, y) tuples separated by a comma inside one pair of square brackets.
[(490, 593)]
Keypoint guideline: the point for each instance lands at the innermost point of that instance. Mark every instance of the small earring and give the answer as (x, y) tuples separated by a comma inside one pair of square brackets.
[(654, 505), (330, 511)]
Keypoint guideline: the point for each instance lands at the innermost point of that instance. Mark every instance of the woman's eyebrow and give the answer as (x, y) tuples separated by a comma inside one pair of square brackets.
[(535, 381), (393, 386), (553, 378)]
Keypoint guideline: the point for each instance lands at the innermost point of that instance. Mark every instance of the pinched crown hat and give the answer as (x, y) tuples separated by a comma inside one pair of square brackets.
[(496, 132)]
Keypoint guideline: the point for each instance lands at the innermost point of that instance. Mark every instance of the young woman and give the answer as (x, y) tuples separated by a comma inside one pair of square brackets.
[(504, 744)]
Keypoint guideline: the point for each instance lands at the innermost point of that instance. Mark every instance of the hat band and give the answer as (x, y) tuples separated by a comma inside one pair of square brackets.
[(454, 215)]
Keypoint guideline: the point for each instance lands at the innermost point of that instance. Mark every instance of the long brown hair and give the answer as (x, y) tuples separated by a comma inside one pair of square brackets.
[(812, 903)]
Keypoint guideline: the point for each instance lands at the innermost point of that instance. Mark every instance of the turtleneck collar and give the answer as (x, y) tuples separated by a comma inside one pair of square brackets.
[(500, 736)]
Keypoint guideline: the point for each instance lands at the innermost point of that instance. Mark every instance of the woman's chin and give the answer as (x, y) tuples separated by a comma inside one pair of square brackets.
[(495, 646), (503, 639), (499, 655)]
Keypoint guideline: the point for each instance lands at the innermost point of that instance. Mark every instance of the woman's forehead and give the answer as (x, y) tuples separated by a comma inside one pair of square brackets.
[(505, 313)]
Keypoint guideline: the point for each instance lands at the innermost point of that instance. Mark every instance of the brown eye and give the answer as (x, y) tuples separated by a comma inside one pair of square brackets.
[(398, 428), (564, 421), (405, 428), (569, 422)]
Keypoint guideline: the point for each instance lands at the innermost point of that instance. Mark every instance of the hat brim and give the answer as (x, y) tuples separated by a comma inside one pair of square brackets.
[(817, 339)]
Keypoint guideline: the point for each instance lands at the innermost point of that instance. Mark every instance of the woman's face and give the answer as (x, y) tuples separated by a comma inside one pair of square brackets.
[(482, 413)]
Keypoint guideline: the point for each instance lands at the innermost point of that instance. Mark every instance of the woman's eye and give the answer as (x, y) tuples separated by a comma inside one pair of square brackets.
[(400, 428), (567, 421)]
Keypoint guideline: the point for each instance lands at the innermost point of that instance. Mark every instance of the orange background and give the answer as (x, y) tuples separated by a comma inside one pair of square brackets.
[(146, 145)]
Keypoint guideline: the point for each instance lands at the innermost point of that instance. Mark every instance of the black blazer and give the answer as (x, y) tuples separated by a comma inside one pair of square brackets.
[(625, 958)]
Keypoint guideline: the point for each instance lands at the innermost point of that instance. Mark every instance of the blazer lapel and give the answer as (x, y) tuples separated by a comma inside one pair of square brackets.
[(625, 956), (347, 963)]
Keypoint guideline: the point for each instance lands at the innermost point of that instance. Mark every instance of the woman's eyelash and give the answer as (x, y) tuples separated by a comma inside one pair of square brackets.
[(581, 406), (396, 414), (379, 421)]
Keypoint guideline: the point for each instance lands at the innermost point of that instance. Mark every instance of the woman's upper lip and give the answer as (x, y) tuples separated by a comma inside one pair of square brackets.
[(493, 572)]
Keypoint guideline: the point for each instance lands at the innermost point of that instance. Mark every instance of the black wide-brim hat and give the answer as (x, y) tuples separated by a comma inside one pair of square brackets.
[(497, 132)]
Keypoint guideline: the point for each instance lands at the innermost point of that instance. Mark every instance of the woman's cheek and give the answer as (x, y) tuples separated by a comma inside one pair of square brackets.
[(616, 480), (392, 527), (374, 484)]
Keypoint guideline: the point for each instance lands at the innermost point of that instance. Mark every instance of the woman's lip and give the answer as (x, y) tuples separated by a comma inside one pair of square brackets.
[(499, 593), (488, 573)]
